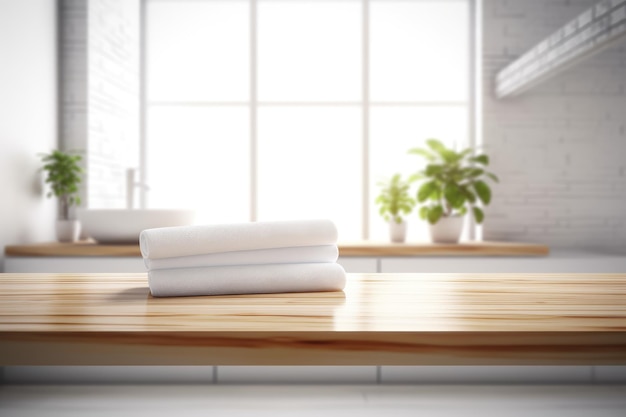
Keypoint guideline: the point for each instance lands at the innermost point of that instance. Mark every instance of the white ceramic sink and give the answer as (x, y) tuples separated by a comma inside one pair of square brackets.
[(125, 225)]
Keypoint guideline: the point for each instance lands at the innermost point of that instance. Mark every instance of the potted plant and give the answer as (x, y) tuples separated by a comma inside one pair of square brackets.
[(453, 183), (64, 175), (395, 201)]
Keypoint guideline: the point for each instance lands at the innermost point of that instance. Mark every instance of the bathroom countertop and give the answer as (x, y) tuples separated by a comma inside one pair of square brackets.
[(365, 248), (379, 319)]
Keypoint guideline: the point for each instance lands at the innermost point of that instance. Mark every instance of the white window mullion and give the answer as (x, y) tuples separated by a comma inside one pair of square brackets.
[(253, 111), (143, 140), (366, 109), (475, 76)]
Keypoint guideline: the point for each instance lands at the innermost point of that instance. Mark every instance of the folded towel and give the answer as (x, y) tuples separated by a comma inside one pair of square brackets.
[(297, 254), (247, 279), (170, 242)]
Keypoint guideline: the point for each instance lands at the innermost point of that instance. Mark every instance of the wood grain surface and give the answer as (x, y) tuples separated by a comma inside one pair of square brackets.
[(439, 249), (83, 248), (379, 319), (367, 248)]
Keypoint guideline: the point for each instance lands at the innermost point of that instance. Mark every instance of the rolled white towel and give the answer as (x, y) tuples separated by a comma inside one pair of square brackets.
[(168, 242), (247, 279), (296, 254)]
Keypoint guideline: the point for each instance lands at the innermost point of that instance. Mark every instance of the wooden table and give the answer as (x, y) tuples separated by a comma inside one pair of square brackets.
[(380, 319)]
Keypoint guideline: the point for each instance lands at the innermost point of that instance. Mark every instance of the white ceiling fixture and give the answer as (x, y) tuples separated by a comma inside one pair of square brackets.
[(586, 35)]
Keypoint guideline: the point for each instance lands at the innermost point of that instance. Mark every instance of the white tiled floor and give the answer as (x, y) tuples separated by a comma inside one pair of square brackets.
[(609, 374), (486, 374), (296, 374), (314, 400), (78, 375)]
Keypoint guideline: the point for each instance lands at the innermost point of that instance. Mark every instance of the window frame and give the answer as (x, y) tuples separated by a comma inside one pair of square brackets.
[(472, 105)]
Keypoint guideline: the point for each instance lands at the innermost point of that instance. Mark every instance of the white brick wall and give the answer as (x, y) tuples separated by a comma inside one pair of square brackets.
[(558, 148), (73, 86), (100, 85)]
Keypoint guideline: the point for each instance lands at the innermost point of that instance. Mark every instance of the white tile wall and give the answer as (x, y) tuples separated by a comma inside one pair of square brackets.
[(558, 148)]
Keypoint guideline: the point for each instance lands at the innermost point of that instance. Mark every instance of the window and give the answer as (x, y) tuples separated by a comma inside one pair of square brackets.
[(285, 109)]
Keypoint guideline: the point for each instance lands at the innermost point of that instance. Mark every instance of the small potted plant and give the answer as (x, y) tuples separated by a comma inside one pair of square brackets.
[(64, 175), (395, 202), (453, 183)]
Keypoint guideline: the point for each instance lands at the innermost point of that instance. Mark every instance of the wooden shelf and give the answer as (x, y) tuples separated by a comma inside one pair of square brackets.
[(374, 249), (430, 249), (379, 319), (86, 248)]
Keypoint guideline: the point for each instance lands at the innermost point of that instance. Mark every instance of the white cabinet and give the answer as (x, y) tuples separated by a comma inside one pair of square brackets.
[(558, 262), (359, 264), (79, 264), (100, 264), (493, 375)]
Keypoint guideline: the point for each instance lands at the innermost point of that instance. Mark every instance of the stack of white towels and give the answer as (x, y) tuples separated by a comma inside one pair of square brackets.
[(243, 258)]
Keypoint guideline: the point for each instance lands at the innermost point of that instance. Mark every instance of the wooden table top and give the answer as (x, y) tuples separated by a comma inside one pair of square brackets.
[(365, 248), (379, 319)]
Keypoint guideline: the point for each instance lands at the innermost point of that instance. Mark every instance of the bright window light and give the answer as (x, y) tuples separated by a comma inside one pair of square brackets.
[(419, 50), (293, 109), (198, 50), (310, 165), (199, 159), (309, 50)]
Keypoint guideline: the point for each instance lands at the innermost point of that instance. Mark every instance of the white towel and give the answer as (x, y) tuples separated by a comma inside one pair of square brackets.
[(247, 279), (170, 242), (297, 254)]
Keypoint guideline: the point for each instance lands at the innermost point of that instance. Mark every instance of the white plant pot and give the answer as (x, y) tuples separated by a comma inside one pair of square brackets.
[(447, 230), (397, 231), (67, 230)]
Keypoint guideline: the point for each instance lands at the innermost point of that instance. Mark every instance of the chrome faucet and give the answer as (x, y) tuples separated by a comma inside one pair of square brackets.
[(131, 184)]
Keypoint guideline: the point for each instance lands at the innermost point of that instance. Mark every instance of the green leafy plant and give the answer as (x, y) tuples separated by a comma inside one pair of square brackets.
[(63, 175), (452, 182), (394, 199)]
